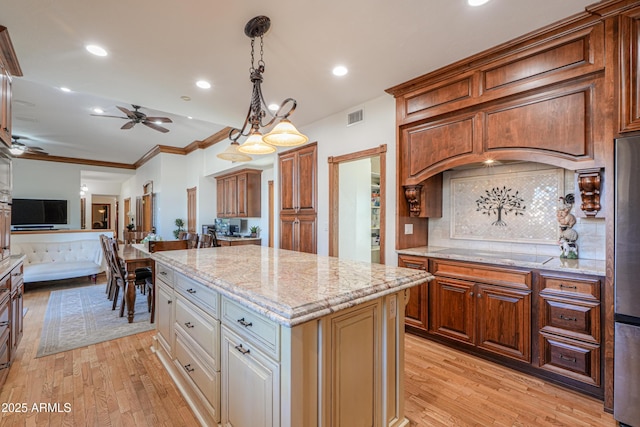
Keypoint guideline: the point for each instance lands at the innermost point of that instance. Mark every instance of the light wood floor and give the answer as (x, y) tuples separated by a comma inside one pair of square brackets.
[(121, 383)]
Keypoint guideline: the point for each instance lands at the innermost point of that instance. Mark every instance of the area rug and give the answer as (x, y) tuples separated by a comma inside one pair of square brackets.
[(82, 316)]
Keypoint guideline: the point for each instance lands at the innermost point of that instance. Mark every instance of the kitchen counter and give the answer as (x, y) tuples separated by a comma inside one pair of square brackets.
[(542, 262), (238, 240), (289, 287)]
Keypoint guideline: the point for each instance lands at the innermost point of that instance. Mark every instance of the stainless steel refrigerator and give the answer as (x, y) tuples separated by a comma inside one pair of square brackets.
[(626, 408)]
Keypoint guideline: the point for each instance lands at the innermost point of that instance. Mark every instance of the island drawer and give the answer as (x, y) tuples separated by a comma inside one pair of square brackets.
[(570, 317), (165, 273), (571, 358), (17, 277), (581, 288), (263, 332), (191, 366), (204, 329), (204, 297)]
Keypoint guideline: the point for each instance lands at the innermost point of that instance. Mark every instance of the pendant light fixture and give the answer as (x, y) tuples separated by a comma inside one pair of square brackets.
[(284, 134)]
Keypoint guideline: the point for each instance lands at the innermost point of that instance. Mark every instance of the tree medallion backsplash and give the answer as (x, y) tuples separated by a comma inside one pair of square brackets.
[(510, 208)]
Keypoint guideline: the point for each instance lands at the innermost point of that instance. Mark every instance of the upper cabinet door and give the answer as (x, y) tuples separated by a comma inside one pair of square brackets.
[(288, 199), (307, 179)]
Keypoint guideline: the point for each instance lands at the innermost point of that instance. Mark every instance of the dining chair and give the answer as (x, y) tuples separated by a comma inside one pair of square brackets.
[(205, 241), (111, 283), (192, 238), (143, 277), (182, 235)]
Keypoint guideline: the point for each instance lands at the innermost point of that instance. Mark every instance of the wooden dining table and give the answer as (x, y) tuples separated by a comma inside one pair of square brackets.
[(133, 256)]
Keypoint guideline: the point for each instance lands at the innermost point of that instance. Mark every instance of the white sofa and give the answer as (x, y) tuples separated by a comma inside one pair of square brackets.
[(60, 260)]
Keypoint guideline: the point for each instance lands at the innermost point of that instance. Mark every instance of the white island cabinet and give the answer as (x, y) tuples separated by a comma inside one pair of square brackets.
[(255, 336)]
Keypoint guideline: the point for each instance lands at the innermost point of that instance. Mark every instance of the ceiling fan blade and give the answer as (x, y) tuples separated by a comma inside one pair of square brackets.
[(129, 113), (128, 125), (35, 148), (159, 119), (115, 117), (155, 126)]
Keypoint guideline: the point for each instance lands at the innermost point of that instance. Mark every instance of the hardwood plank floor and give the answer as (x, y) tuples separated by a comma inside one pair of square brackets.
[(121, 383)]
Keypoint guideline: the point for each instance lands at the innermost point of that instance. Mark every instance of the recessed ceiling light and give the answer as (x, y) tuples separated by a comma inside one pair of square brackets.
[(340, 70), (203, 84), (98, 110), (96, 50), (477, 2), (274, 107), (189, 117), (65, 89)]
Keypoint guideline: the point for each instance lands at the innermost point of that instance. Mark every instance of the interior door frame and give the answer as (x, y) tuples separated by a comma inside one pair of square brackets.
[(334, 194)]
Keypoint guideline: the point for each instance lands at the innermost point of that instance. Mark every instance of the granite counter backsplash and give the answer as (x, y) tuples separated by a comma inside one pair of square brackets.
[(541, 262)]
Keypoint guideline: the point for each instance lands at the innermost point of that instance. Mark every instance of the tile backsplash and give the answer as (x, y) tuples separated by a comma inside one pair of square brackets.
[(533, 233)]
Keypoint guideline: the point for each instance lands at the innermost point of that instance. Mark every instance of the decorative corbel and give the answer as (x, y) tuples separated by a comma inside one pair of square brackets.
[(412, 194), (589, 184)]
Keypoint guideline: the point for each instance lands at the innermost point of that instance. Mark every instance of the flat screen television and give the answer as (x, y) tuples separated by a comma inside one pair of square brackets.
[(26, 212)]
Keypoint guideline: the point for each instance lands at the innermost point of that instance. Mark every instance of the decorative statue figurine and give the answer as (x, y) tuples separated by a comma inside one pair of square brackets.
[(568, 236)]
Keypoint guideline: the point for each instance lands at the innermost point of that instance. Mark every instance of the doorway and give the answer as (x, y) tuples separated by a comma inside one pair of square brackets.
[(356, 205), (100, 219)]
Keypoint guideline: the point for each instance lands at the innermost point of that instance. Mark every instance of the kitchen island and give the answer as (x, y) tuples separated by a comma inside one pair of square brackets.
[(256, 336), (238, 240)]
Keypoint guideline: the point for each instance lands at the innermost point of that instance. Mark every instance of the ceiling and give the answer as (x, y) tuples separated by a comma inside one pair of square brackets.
[(159, 48)]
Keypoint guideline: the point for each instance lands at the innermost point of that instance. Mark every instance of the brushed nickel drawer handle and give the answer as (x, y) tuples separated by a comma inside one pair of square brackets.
[(575, 319), (245, 323), (242, 350), (188, 367), (570, 359), (562, 285), (191, 291), (416, 266), (189, 325)]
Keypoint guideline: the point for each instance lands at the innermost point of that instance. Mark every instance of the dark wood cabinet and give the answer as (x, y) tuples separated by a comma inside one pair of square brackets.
[(17, 292), (485, 307), (570, 333), (9, 68), (239, 194), (298, 199), (416, 310), (629, 40)]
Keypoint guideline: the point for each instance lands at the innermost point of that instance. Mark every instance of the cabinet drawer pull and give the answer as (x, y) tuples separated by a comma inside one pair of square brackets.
[(5, 365), (562, 285), (242, 350), (169, 301), (191, 291), (5, 323), (570, 359), (245, 323), (164, 273), (416, 266), (189, 325), (188, 367), (562, 317)]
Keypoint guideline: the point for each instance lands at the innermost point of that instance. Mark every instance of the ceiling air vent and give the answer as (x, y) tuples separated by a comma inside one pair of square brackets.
[(355, 117)]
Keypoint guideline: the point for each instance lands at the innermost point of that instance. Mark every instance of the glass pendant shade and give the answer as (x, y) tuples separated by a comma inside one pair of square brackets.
[(285, 134), (232, 154), (255, 145)]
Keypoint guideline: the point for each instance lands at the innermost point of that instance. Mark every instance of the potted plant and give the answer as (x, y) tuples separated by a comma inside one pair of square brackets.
[(180, 224), (254, 230)]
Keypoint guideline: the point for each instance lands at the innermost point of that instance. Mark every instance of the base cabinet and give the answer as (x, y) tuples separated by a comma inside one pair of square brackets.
[(250, 384), (238, 368), (416, 311)]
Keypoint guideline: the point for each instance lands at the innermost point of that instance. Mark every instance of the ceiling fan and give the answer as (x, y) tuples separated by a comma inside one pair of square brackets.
[(18, 148), (137, 116)]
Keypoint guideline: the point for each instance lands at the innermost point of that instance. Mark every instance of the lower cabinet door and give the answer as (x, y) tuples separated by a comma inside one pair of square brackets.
[(504, 321), (250, 387), (452, 309), (164, 316)]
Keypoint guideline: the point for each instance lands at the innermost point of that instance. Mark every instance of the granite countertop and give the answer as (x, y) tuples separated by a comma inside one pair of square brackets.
[(9, 263), (236, 238), (289, 287), (540, 262)]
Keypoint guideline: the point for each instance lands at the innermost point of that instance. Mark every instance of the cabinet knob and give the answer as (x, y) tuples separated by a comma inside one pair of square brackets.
[(169, 302), (471, 293), (479, 295), (242, 350)]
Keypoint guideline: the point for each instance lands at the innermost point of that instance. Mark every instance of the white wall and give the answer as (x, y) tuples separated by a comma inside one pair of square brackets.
[(335, 139), (355, 210)]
